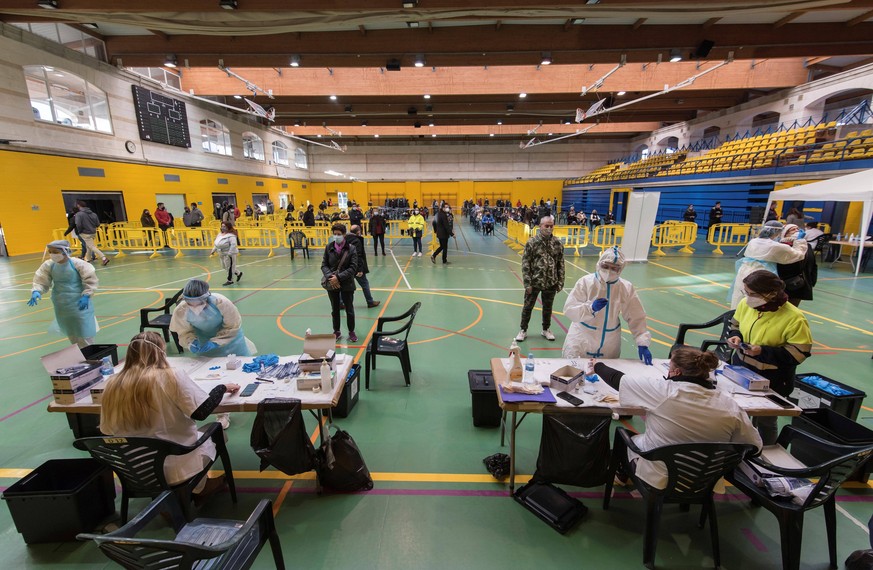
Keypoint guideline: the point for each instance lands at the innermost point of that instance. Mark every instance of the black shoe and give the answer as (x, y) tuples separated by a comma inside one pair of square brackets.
[(446, 262), (238, 276), (433, 259), (226, 283), (372, 304)]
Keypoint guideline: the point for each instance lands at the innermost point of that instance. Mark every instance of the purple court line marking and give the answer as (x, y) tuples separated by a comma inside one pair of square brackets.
[(246, 296), (540, 301), (756, 542), (18, 411)]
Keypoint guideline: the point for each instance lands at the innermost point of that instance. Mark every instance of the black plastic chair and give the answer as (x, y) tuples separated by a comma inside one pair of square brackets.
[(837, 463), (162, 321), (201, 543), (722, 350), (139, 464), (298, 240), (693, 469), (385, 343)]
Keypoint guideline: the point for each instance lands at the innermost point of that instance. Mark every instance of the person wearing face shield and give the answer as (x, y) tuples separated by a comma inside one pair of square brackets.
[(416, 230), (209, 324), (339, 266), (73, 282), (542, 270), (765, 252), (594, 306), (770, 336)]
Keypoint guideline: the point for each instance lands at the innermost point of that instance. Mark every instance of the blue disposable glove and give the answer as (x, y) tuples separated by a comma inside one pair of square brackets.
[(84, 302), (801, 234), (598, 304), (34, 299), (645, 354), (208, 346), (195, 347)]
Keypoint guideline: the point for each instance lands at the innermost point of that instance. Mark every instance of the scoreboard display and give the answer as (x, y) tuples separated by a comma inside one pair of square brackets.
[(161, 119)]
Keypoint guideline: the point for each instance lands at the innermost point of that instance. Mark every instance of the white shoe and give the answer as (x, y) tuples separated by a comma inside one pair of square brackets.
[(547, 334), (522, 334), (224, 420)]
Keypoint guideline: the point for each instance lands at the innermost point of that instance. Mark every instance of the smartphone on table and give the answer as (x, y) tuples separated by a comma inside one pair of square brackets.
[(567, 397)]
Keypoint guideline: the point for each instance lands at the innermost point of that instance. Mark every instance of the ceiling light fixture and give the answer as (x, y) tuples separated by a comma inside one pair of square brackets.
[(364, 123), (430, 124), (620, 93), (48, 4), (675, 55), (427, 96), (510, 108), (333, 97), (348, 108), (393, 65), (433, 135), (90, 25), (297, 123), (419, 60), (410, 3), (170, 61), (522, 95), (295, 61), (577, 21), (499, 122), (592, 1), (319, 136), (413, 24), (228, 4), (376, 136), (237, 96), (490, 134), (546, 58)]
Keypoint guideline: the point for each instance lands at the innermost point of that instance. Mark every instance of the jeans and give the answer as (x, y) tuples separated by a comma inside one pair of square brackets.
[(530, 300), (348, 299), (768, 429), (416, 243), (377, 239), (365, 287), (444, 248)]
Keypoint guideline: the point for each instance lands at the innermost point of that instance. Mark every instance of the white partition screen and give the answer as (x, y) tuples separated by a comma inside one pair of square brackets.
[(641, 211)]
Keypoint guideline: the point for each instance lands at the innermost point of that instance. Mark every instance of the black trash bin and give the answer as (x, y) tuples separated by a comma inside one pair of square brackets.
[(349, 396), (98, 351), (809, 396), (61, 498), (829, 425), (574, 450), (486, 410)]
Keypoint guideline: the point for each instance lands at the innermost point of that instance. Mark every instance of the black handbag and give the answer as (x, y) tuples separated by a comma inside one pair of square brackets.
[(341, 466), (325, 279)]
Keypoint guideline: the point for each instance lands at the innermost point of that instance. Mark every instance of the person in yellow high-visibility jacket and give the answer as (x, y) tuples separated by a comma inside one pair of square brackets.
[(416, 230)]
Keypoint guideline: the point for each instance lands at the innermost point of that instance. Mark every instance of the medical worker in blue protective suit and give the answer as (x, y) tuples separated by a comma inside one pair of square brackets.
[(73, 282), (209, 324), (594, 306)]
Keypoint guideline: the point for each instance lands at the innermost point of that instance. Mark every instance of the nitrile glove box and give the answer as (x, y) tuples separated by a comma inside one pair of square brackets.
[(69, 371), (746, 378)]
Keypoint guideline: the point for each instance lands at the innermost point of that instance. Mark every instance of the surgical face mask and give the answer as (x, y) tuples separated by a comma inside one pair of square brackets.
[(608, 275), (58, 257), (754, 301), (415, 212), (546, 231), (197, 309), (447, 210), (337, 239)]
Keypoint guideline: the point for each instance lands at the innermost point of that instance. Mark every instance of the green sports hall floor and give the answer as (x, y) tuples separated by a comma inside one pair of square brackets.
[(433, 505)]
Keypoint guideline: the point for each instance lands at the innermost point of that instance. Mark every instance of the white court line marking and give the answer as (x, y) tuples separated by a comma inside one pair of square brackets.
[(408, 286), (207, 273), (861, 525)]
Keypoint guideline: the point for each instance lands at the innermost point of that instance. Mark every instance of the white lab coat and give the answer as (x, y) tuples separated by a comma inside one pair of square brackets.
[(764, 253), (599, 334), (228, 335)]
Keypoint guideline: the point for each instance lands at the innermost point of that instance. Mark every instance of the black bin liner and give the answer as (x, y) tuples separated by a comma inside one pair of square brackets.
[(832, 426), (574, 450), (279, 437)]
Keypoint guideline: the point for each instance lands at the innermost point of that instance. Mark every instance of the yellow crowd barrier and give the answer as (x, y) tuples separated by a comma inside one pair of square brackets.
[(261, 238), (75, 244), (570, 236), (607, 236), (729, 235), (191, 239), (135, 239), (100, 237), (517, 232), (674, 234)]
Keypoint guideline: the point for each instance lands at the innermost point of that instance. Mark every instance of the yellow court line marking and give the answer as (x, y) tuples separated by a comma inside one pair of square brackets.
[(281, 498), (387, 302)]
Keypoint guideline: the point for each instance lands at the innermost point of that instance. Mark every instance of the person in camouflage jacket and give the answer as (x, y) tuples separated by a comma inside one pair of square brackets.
[(542, 268)]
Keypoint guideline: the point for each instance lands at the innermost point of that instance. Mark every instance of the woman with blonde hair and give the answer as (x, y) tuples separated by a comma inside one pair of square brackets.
[(683, 408), (149, 398)]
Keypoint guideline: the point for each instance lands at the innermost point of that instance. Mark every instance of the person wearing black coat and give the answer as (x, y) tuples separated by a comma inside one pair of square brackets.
[(377, 230), (443, 225), (340, 264), (355, 238), (799, 277), (356, 216), (309, 216)]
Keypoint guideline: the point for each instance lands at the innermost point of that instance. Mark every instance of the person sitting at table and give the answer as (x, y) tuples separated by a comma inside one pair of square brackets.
[(770, 336), (150, 398), (683, 408)]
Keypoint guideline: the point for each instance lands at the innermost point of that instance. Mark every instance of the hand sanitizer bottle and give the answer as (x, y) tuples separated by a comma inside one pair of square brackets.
[(529, 369), (326, 383), (106, 366)]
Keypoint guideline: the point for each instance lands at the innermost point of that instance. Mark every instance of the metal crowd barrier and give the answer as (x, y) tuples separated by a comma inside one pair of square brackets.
[(674, 234)]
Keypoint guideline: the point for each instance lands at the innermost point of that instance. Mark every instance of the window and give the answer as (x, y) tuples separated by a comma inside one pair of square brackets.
[(253, 146), (214, 137), (60, 97), (67, 36), (280, 153), (300, 158)]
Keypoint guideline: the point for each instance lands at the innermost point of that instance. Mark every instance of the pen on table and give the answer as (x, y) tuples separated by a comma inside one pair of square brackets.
[(263, 380)]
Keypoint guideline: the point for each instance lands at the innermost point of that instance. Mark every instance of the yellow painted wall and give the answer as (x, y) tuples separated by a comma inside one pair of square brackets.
[(31, 186)]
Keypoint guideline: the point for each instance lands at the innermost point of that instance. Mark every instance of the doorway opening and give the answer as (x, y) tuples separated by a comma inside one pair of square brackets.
[(109, 206)]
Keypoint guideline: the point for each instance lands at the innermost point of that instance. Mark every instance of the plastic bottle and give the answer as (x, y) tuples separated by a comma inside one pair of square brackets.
[(839, 236), (106, 366), (326, 383), (529, 369), (589, 384)]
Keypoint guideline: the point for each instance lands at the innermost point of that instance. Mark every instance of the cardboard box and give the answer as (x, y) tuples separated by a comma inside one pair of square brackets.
[(97, 392), (565, 378), (69, 371), (746, 378), (316, 348), (66, 397), (774, 454), (308, 381)]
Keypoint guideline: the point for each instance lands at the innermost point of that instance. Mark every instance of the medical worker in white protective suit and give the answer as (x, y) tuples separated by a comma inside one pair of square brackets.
[(73, 282), (594, 306), (209, 324), (767, 251)]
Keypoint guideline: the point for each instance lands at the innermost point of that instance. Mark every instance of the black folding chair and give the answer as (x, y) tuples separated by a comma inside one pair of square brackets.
[(693, 469), (722, 350), (201, 543), (139, 464), (162, 321), (298, 240), (389, 343), (836, 464)]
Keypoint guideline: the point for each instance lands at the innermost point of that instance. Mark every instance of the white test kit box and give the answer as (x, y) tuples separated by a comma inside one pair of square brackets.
[(72, 376), (746, 378)]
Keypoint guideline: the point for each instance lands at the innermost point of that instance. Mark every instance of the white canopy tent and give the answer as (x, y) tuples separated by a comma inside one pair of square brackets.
[(856, 187)]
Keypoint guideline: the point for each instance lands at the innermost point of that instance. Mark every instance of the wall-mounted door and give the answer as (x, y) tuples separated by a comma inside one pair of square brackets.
[(174, 203), (109, 206)]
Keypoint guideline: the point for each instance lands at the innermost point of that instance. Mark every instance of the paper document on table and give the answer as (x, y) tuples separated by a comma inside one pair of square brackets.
[(750, 402)]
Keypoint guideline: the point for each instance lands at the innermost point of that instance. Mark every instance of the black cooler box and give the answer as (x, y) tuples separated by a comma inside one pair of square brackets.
[(486, 410), (349, 396), (61, 498)]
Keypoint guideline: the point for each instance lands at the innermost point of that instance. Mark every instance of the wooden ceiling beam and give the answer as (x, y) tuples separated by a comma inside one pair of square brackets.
[(789, 18), (636, 25), (710, 23), (858, 19)]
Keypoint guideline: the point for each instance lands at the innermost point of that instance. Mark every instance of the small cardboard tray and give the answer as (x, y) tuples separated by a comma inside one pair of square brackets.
[(565, 378)]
